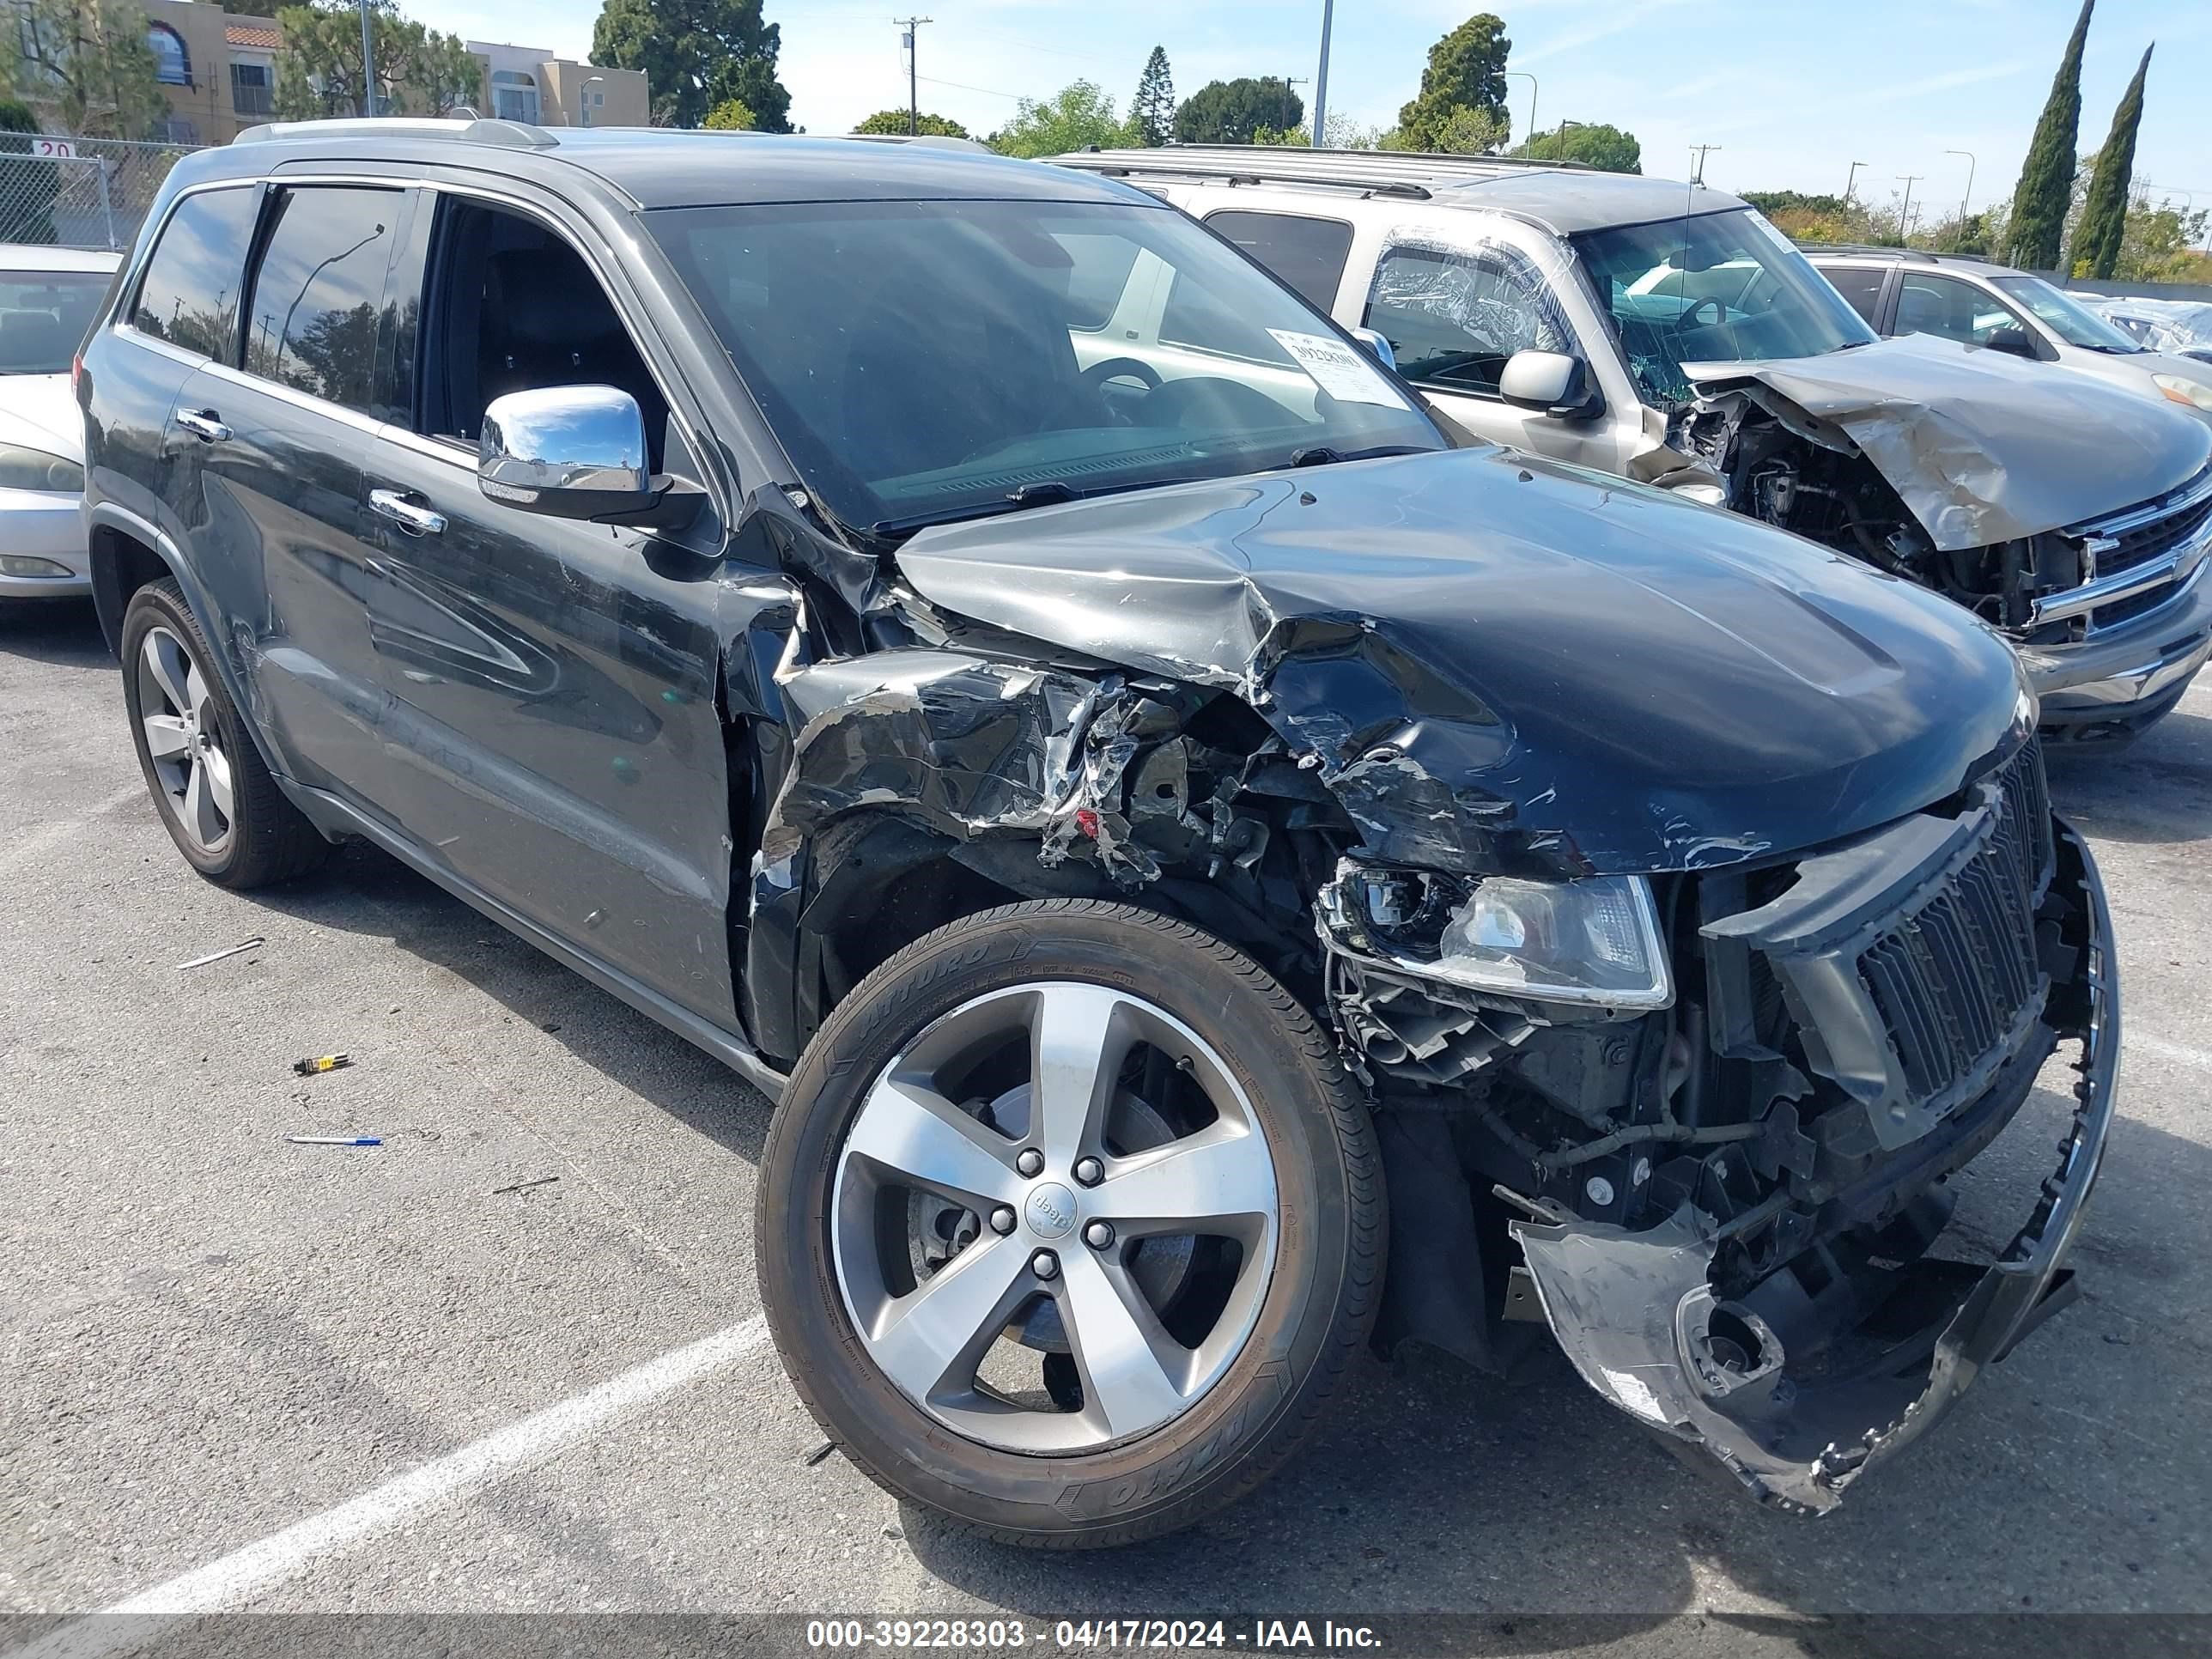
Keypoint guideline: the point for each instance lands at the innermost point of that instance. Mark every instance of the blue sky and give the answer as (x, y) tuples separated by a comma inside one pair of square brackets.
[(1792, 93)]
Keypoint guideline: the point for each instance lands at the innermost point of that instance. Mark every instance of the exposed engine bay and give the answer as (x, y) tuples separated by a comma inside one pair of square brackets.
[(1790, 473)]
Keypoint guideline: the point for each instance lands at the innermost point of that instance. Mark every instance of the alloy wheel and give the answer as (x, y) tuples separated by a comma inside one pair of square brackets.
[(1054, 1218), (184, 740)]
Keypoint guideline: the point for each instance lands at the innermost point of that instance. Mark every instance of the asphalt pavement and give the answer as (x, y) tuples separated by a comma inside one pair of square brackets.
[(274, 1378)]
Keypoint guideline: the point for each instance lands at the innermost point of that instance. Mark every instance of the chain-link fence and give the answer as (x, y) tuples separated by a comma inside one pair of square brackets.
[(79, 192)]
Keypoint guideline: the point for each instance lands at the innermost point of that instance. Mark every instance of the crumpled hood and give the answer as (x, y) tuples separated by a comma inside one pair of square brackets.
[(1496, 660), (40, 411), (1982, 447)]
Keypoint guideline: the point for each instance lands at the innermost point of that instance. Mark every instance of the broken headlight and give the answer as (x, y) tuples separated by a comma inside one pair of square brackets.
[(1593, 940)]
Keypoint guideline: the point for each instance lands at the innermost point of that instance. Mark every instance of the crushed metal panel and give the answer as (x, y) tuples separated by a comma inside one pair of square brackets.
[(1983, 448)]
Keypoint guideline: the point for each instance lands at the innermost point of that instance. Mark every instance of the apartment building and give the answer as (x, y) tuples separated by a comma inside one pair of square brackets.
[(218, 70)]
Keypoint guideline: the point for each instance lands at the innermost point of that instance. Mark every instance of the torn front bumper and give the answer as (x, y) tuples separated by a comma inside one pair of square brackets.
[(1637, 1314)]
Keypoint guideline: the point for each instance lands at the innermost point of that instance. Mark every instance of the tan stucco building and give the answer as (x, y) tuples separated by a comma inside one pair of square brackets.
[(218, 70)]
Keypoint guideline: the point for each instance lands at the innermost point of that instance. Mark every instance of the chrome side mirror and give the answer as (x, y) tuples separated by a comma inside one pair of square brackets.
[(1550, 381), (571, 451), (1376, 345)]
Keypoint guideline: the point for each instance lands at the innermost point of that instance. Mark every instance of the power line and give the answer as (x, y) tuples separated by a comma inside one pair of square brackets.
[(988, 92)]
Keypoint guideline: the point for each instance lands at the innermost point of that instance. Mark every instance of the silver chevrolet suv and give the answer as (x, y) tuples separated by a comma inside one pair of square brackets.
[(1667, 333)]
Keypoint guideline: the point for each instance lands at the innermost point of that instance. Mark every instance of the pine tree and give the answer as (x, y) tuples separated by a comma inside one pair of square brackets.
[(2045, 189), (2105, 215), (1155, 107)]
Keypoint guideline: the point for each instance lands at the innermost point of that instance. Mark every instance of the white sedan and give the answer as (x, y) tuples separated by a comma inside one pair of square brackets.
[(47, 299)]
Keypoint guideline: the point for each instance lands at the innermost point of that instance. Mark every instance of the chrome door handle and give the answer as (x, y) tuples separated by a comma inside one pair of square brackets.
[(415, 521), (203, 423)]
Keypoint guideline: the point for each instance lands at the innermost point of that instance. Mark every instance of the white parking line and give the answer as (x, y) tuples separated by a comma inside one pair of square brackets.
[(284, 1555), (2165, 1050)]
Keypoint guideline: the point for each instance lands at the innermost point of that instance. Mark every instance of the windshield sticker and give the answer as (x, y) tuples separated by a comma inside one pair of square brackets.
[(1338, 369)]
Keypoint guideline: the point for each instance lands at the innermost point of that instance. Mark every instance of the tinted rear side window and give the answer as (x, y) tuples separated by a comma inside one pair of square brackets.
[(317, 297), (1307, 253), (189, 294), (1860, 284)]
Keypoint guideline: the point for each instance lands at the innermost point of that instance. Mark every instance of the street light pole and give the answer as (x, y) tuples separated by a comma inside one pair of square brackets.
[(1524, 74), (1966, 202), (584, 98), (1850, 182), (367, 65), (1321, 80), (1702, 151)]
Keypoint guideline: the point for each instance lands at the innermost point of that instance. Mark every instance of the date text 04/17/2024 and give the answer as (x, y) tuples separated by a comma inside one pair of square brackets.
[(1293, 1635)]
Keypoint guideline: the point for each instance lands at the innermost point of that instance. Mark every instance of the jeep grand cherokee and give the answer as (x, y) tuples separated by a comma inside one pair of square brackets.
[(1134, 802)]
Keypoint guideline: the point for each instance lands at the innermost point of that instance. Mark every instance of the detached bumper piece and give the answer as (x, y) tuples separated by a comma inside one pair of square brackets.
[(1637, 1313)]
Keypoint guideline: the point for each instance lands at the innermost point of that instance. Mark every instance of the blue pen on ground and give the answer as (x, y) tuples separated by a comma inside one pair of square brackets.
[(335, 1140)]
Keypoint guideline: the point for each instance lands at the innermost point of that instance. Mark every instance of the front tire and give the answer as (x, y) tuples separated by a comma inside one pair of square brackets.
[(217, 799), (1070, 1224)]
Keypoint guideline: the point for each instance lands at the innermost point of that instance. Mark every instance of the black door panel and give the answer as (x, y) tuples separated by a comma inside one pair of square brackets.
[(553, 730)]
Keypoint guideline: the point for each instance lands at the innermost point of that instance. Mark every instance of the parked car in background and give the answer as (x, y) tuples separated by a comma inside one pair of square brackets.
[(1956, 297), (47, 300), (2179, 328), (1136, 795), (1669, 334)]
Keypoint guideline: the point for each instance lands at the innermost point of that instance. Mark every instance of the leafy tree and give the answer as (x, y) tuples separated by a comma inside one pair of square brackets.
[(85, 66), (1292, 137), (27, 203), (443, 76), (2104, 214), (1468, 132), (731, 115), (1154, 110), (418, 70), (1466, 70), (1231, 111), (1077, 115), (1593, 144), (697, 54), (2046, 178), (894, 121)]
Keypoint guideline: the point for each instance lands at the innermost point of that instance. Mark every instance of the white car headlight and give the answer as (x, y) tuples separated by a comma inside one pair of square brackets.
[(2195, 394), (33, 469), (1596, 940)]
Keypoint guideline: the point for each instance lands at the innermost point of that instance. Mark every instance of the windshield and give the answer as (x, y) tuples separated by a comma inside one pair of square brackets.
[(45, 316), (1718, 287), (2067, 318), (928, 360)]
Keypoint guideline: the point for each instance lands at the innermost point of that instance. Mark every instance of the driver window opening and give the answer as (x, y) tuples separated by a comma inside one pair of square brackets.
[(517, 309), (1454, 319)]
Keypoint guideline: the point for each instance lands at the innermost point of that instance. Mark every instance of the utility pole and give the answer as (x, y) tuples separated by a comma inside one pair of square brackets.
[(1321, 80), (1904, 216), (367, 65), (1701, 151), (1966, 201), (1852, 181), (913, 68)]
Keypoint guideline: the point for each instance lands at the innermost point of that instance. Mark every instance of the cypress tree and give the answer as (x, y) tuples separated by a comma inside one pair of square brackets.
[(2105, 215), (1154, 110), (2045, 189)]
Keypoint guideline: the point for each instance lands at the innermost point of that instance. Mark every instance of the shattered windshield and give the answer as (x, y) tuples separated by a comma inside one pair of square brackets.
[(928, 360), (1718, 287), (2067, 318)]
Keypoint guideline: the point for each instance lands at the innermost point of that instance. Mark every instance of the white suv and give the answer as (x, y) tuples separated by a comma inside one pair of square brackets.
[(1667, 333)]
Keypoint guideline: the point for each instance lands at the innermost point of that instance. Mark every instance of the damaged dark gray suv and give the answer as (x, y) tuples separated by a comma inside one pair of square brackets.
[(1138, 804)]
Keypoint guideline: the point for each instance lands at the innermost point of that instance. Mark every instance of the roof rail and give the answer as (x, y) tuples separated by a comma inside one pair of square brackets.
[(924, 140), (1920, 254), (508, 135)]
